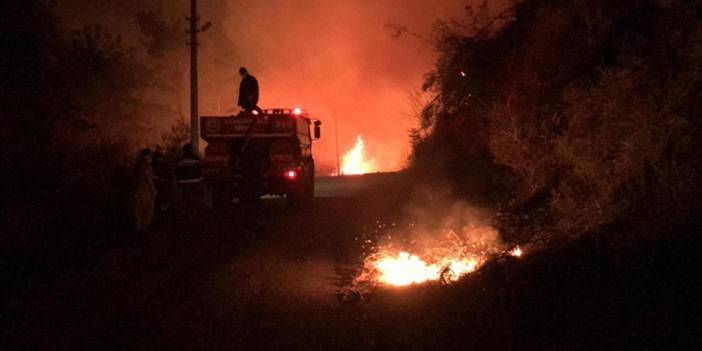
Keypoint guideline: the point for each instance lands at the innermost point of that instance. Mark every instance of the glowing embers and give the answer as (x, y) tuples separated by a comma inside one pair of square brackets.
[(417, 256), (354, 161), (515, 251)]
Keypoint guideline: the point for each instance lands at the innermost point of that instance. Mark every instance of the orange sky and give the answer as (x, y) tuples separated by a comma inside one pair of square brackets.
[(338, 60), (335, 58)]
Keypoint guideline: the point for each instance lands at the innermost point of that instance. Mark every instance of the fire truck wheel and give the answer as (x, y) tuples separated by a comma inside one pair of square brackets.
[(252, 169), (302, 196), (310, 190), (249, 196), (293, 198), (222, 196), (309, 187)]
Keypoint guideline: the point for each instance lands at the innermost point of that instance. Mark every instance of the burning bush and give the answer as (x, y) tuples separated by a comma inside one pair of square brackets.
[(354, 160), (437, 243)]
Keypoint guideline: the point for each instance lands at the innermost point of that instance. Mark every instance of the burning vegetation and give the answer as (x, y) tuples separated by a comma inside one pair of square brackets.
[(354, 160), (405, 268), (423, 253), (578, 121), (443, 261)]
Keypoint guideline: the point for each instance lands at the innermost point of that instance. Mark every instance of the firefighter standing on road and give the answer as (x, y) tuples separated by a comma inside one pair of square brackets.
[(248, 91), (189, 179)]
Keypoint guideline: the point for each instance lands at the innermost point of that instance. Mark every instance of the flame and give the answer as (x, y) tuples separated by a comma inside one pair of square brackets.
[(405, 269), (446, 261), (354, 161)]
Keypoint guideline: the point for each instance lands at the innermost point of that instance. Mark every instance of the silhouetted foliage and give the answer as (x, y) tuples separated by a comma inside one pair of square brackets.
[(174, 139), (593, 107), (74, 113)]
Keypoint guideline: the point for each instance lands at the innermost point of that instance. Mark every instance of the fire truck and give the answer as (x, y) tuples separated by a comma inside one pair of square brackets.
[(257, 153)]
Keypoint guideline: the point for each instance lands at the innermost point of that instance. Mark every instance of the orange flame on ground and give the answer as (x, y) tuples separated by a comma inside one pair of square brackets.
[(445, 261), (354, 161), (405, 269)]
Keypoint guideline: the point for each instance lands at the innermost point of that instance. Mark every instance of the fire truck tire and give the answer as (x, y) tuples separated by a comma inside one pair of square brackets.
[(222, 196), (303, 195), (310, 190), (293, 198), (252, 168), (248, 193), (309, 194)]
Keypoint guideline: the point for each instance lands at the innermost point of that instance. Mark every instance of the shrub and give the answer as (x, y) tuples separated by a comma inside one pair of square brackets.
[(592, 106)]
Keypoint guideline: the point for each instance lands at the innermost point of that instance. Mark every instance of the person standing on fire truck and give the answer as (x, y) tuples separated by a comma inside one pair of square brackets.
[(248, 91)]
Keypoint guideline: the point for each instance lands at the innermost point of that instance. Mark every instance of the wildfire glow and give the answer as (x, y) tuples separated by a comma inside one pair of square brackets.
[(445, 258), (405, 269), (516, 252), (354, 161)]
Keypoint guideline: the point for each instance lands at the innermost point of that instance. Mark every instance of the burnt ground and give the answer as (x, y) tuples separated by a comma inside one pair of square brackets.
[(268, 278)]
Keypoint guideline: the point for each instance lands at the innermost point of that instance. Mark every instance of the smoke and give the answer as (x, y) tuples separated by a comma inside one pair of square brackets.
[(335, 58), (435, 216), (437, 238)]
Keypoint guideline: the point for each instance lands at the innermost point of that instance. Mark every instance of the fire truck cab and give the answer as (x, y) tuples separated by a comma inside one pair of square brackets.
[(252, 154)]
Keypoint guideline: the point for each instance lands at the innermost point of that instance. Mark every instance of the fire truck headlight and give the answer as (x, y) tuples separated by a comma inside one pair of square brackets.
[(291, 174)]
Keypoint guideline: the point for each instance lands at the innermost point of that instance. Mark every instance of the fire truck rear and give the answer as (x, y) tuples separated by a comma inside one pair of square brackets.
[(254, 154)]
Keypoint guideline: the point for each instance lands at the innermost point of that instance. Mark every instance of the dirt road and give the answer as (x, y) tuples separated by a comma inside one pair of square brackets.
[(240, 278)]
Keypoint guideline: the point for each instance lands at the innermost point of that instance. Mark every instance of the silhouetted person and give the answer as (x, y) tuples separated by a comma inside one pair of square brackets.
[(144, 192), (248, 91)]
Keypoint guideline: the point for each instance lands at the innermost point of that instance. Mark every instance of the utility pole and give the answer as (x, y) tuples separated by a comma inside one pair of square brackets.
[(194, 110), (194, 114)]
